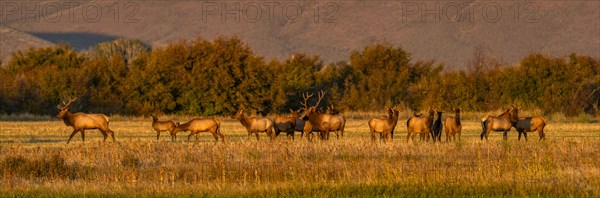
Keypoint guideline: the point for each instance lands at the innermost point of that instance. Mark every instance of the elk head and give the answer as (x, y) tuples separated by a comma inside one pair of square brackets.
[(64, 108), (154, 118), (239, 114)]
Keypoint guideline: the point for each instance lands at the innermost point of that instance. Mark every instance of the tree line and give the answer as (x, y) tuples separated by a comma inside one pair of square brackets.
[(216, 77)]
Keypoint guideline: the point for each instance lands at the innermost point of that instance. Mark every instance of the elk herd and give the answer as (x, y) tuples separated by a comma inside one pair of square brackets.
[(315, 121)]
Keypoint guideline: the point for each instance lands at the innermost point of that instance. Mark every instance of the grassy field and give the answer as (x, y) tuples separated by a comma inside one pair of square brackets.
[(36, 161)]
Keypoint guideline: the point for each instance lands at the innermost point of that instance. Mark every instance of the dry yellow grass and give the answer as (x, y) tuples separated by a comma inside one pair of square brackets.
[(36, 161)]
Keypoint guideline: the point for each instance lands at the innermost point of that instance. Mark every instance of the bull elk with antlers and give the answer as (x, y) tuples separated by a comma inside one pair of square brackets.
[(255, 125), (82, 121), (320, 121), (160, 126)]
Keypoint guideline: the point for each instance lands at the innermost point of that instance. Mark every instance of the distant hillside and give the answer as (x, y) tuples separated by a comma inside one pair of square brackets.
[(12, 40), (444, 31)]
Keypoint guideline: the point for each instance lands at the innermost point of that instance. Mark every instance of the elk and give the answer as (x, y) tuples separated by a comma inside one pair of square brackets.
[(287, 124), (452, 126), (420, 125), (502, 123), (384, 125), (82, 121), (255, 125), (530, 124), (160, 126), (338, 122), (437, 128), (198, 125), (320, 121), (300, 123)]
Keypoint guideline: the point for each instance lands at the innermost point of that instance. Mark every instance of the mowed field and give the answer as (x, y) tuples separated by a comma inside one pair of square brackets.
[(36, 161)]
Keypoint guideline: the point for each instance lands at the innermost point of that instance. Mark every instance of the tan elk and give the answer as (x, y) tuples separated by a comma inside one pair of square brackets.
[(502, 123), (197, 125), (338, 122), (82, 121), (256, 125), (160, 126), (453, 126), (530, 124), (287, 124), (320, 121), (384, 125), (420, 125)]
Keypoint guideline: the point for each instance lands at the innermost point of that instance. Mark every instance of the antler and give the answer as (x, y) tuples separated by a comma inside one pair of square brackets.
[(66, 105), (306, 96), (321, 96)]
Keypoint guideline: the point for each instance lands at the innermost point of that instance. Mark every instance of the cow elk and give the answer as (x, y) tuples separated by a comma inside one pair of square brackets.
[(503, 123), (338, 122), (256, 125), (197, 125), (82, 121), (384, 125), (530, 124), (452, 126), (287, 124), (421, 126), (437, 128), (160, 126)]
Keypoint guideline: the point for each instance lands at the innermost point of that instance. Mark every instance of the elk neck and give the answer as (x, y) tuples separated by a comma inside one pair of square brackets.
[(245, 120)]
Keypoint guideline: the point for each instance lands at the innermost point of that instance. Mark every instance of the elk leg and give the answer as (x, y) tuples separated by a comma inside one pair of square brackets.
[(190, 135), (157, 135), (519, 137), (214, 134), (83, 135), (112, 134), (221, 135), (257, 138), (408, 137), (72, 134), (505, 135), (373, 138), (525, 134), (103, 133), (541, 133)]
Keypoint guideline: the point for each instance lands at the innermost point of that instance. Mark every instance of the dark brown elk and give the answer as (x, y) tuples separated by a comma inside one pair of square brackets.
[(338, 122), (160, 126), (452, 126), (503, 123), (320, 121), (197, 125), (300, 123), (437, 128), (287, 124), (256, 125), (530, 124), (421, 126), (82, 121), (384, 126)]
